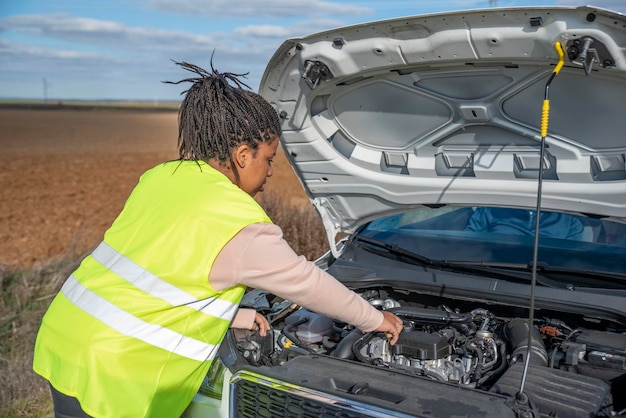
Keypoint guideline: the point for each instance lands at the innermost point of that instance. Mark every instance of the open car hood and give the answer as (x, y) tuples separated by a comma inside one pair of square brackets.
[(446, 109)]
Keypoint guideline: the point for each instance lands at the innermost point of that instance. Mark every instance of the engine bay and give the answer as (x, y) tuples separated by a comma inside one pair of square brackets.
[(575, 362)]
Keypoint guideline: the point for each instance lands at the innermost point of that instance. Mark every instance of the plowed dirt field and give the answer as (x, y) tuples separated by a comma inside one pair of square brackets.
[(67, 173)]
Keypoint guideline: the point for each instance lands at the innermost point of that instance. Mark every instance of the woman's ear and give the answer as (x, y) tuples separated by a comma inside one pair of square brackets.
[(241, 155)]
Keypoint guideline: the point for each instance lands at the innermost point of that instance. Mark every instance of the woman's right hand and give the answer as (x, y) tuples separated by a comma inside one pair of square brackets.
[(391, 326)]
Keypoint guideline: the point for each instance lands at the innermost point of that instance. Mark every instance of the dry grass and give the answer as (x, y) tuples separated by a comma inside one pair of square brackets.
[(302, 227), (26, 295)]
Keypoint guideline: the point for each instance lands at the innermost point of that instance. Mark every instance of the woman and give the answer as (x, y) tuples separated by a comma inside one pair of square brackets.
[(134, 329)]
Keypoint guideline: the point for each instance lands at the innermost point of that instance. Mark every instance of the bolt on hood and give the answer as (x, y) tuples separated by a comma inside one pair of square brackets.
[(445, 109)]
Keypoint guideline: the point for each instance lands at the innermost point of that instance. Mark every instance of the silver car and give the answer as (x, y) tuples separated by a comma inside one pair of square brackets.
[(469, 168)]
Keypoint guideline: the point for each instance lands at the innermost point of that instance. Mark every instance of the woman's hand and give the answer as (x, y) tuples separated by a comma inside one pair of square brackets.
[(391, 326), (260, 324)]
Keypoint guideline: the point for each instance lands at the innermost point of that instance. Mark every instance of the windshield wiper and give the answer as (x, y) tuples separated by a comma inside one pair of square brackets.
[(557, 276), (492, 269), (585, 278), (594, 274), (399, 251)]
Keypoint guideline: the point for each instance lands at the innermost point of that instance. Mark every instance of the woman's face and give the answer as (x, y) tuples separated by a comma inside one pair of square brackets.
[(255, 166)]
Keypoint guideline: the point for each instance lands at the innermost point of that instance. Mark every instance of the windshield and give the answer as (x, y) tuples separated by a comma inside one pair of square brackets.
[(504, 236)]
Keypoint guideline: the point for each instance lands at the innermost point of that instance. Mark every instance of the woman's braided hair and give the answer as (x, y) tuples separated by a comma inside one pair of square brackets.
[(215, 116)]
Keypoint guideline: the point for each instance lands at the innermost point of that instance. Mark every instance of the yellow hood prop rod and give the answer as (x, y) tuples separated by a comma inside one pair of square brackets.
[(521, 397)]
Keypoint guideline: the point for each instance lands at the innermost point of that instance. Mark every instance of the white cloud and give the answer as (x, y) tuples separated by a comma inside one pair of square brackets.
[(58, 24), (263, 31), (92, 31), (42, 55), (281, 32)]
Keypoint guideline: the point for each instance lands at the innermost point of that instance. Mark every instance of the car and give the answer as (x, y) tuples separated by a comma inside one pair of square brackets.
[(469, 168)]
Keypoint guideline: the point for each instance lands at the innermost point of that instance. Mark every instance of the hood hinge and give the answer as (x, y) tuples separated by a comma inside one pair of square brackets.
[(314, 72)]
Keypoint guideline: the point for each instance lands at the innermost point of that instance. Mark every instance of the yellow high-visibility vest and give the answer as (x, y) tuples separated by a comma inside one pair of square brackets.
[(134, 329)]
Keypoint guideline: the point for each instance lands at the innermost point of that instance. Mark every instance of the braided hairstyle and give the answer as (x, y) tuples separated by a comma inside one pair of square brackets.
[(215, 117)]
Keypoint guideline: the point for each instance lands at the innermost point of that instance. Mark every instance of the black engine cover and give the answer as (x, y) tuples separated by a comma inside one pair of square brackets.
[(556, 392)]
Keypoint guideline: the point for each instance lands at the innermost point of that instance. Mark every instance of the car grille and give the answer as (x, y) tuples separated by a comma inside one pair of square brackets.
[(252, 397)]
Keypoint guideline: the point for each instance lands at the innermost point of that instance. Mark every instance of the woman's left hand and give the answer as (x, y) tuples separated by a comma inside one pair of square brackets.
[(260, 324)]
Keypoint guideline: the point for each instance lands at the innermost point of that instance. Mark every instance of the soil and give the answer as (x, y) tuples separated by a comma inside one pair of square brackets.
[(67, 173)]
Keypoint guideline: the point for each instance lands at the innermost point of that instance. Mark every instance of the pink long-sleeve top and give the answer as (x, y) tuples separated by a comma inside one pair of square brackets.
[(259, 257)]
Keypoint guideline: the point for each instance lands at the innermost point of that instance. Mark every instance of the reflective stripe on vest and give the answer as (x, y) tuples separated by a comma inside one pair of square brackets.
[(129, 325), (132, 326), (149, 283)]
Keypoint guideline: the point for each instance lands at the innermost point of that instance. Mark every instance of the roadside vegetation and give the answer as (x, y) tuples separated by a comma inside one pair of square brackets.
[(25, 296), (24, 299)]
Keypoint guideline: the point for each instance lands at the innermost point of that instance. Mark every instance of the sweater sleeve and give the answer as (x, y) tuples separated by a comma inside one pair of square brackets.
[(260, 258)]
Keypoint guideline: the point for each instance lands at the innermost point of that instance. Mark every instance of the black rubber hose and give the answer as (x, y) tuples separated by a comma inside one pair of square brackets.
[(344, 348), (287, 333), (489, 379), (479, 357), (359, 344), (518, 334)]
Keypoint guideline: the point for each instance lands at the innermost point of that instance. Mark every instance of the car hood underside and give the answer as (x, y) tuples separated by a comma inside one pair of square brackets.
[(446, 109)]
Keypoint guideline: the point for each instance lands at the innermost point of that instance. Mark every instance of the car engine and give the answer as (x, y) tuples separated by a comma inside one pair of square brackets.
[(575, 362)]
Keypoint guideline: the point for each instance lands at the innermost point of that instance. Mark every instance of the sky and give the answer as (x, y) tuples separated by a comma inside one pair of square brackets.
[(124, 49)]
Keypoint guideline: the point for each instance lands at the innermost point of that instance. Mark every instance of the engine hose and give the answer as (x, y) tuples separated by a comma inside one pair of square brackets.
[(517, 334), (479, 354), (344, 347), (292, 337), (359, 344), (479, 359), (493, 376), (459, 321)]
